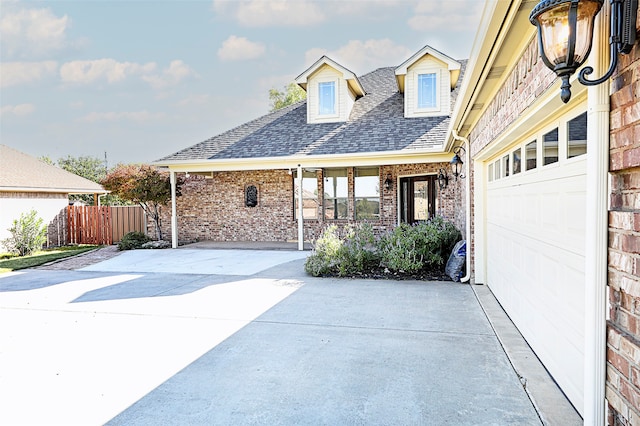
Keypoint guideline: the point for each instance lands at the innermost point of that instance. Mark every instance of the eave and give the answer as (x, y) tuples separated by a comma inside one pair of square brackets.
[(352, 80), (452, 65), (51, 190), (318, 161)]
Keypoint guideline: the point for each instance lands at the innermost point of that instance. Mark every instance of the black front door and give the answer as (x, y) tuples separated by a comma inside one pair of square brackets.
[(417, 198)]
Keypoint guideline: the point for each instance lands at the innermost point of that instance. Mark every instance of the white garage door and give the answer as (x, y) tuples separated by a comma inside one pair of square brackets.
[(535, 248)]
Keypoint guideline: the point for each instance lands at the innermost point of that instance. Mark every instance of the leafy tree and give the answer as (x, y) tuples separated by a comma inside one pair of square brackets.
[(142, 184), (28, 234), (292, 93)]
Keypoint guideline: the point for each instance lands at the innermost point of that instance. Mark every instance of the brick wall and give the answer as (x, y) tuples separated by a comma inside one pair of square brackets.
[(623, 334), (214, 209)]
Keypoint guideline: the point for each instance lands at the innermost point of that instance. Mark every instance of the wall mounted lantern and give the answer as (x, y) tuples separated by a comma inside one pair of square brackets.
[(387, 183), (565, 35), (456, 163), (443, 179)]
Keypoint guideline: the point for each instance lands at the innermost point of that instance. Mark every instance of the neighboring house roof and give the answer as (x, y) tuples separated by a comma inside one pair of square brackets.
[(20, 172), (376, 125)]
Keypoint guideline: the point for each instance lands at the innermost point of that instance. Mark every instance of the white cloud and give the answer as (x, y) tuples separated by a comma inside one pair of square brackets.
[(363, 56), (18, 110), (135, 116), (174, 74), (193, 100), (239, 49), (16, 73), (32, 32), (451, 15), (85, 72), (270, 13)]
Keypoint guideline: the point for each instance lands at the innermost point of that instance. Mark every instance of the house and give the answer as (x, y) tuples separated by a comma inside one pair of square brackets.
[(27, 183), (363, 148), (556, 206)]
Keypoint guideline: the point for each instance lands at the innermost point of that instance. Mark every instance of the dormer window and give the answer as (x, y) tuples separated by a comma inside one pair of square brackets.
[(331, 91), (427, 91), (426, 81), (327, 98)]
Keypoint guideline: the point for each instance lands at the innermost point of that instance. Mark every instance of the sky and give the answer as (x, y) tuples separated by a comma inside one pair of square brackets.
[(139, 80)]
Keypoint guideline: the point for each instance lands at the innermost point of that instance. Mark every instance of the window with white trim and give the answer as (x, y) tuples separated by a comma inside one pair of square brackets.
[(427, 91), (327, 98), (336, 190), (310, 201), (366, 187)]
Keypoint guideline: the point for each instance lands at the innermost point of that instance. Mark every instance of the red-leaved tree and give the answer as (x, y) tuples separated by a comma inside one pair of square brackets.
[(142, 184)]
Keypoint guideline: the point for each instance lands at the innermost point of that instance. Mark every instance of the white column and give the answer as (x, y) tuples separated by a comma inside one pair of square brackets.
[(300, 210), (174, 215), (596, 229)]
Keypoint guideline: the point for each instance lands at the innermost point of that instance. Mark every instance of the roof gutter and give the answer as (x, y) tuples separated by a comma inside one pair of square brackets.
[(52, 190)]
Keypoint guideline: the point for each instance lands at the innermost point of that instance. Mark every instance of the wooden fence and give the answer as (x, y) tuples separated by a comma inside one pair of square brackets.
[(102, 225)]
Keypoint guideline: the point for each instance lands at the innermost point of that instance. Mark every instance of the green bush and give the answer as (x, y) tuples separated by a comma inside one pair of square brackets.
[(132, 241), (406, 249), (28, 234)]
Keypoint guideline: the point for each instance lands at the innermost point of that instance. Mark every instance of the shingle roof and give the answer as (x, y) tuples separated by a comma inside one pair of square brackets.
[(376, 124), (21, 172)]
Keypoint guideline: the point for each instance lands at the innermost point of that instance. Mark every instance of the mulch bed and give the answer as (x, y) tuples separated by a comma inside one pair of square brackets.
[(381, 273)]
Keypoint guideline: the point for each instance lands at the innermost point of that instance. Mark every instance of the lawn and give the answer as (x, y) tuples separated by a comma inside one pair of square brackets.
[(40, 257)]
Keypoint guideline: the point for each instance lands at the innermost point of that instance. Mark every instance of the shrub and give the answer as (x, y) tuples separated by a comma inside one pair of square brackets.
[(28, 234), (358, 251), (132, 241), (409, 248), (324, 256)]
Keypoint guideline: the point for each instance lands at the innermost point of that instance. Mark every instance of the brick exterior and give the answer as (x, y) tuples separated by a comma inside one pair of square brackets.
[(623, 334), (214, 208)]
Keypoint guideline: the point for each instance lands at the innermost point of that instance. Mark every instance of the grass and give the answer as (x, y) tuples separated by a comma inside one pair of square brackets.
[(40, 257)]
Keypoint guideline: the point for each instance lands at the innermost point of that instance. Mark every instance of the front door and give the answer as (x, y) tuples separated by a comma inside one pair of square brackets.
[(417, 198)]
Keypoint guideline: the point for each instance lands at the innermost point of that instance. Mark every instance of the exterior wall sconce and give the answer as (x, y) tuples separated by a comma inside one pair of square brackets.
[(565, 33), (387, 183), (443, 179), (456, 163)]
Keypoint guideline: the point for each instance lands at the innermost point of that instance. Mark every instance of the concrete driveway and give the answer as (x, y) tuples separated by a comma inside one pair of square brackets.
[(116, 343)]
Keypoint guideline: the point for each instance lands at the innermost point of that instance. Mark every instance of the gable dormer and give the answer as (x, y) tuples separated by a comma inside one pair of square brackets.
[(331, 91), (427, 79)]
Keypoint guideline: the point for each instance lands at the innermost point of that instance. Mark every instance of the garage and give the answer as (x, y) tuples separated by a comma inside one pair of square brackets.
[(535, 243)]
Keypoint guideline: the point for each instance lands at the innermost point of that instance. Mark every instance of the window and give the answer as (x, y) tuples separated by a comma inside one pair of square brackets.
[(309, 195), (517, 160), (505, 165), (550, 147), (577, 138), (531, 155), (490, 172), (366, 187), (427, 93), (335, 194), (327, 98), (496, 168)]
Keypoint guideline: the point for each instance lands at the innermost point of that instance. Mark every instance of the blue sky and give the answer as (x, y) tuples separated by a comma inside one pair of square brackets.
[(143, 79)]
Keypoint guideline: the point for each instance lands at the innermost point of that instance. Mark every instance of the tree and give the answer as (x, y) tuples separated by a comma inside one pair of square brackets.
[(292, 93), (90, 168), (142, 184)]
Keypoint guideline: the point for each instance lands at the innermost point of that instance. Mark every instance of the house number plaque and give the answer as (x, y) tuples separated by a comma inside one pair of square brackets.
[(251, 196)]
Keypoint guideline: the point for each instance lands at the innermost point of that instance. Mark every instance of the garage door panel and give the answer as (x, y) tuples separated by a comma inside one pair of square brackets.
[(535, 227)]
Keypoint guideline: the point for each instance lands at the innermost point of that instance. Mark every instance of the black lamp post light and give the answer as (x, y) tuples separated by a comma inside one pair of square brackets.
[(565, 35), (456, 163)]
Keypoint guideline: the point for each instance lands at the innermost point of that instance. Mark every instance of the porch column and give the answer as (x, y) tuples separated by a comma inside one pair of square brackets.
[(300, 210), (174, 215), (596, 230)]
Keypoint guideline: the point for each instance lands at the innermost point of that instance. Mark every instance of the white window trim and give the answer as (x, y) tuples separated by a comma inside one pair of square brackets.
[(336, 100), (438, 74)]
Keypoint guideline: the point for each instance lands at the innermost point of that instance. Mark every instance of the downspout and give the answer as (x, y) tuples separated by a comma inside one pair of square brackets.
[(300, 210), (174, 214), (596, 243), (467, 195), (103, 195)]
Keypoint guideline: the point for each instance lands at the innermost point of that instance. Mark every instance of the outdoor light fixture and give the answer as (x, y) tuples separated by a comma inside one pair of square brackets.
[(565, 33), (456, 163), (387, 183), (443, 179)]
